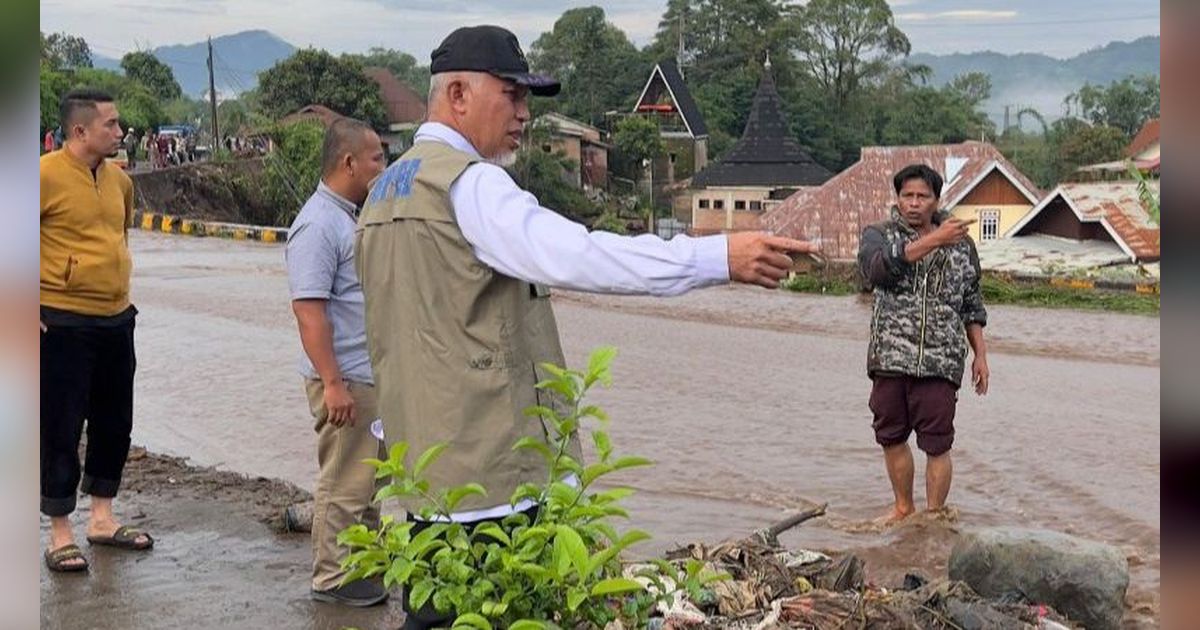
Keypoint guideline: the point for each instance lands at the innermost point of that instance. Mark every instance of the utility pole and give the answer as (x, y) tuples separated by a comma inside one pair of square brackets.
[(681, 53), (212, 99)]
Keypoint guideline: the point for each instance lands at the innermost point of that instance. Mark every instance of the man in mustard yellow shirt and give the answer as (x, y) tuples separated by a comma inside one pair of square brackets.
[(87, 352)]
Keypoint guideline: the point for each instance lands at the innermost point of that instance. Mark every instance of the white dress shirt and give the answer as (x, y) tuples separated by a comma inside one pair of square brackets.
[(511, 233)]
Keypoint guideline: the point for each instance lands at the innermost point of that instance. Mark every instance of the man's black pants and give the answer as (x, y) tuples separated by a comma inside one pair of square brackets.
[(87, 374)]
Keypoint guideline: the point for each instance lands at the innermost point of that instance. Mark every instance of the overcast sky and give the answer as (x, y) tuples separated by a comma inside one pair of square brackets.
[(1061, 28)]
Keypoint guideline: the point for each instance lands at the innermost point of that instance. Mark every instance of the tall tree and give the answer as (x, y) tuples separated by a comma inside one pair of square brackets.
[(403, 65), (1126, 104), (582, 51), (313, 76), (65, 52), (678, 19), (846, 44), (155, 75), (52, 85), (726, 44), (1090, 145), (974, 87)]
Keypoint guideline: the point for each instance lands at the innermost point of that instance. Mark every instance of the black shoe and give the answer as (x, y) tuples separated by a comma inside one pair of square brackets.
[(359, 594)]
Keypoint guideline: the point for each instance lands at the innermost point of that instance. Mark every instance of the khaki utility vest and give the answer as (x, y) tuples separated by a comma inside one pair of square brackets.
[(454, 344)]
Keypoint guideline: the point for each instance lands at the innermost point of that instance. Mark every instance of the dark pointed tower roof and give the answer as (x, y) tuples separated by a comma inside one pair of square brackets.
[(766, 154)]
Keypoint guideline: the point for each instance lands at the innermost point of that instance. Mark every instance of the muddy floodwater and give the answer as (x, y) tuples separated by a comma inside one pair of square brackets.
[(751, 402)]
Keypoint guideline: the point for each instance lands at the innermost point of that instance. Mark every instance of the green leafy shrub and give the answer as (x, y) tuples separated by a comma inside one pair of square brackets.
[(560, 569), (293, 168)]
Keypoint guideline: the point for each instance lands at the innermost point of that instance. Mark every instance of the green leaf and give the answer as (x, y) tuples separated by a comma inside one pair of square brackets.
[(536, 571), (564, 389), (526, 624), (396, 455), (562, 556), (494, 531), (633, 537), (603, 445), (600, 364), (612, 495), (575, 548), (427, 458), (609, 531), (399, 572), (420, 594), (566, 462), (389, 491), (630, 461), (563, 493), (472, 620), (593, 472), (532, 533), (535, 444), (594, 412), (526, 491), (602, 558), (575, 597), (356, 536), (554, 370), (541, 412), (613, 586), (454, 496)]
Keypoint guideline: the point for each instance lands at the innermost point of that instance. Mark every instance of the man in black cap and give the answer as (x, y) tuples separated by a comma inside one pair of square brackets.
[(455, 258)]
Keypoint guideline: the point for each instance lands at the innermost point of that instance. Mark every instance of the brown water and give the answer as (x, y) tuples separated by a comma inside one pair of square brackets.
[(752, 403)]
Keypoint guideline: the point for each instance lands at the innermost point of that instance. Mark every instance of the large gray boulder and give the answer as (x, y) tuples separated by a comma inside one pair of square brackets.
[(1081, 579)]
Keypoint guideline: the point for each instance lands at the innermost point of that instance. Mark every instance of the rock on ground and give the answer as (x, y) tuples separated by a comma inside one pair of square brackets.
[(1083, 580)]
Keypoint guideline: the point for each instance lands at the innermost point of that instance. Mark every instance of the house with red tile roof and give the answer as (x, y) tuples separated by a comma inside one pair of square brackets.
[(1145, 146), (1099, 211), (404, 106), (980, 183), (405, 110)]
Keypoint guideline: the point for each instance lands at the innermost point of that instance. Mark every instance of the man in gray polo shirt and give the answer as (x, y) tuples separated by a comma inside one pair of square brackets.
[(328, 303)]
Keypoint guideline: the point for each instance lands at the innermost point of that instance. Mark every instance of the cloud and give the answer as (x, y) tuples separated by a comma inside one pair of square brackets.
[(963, 15)]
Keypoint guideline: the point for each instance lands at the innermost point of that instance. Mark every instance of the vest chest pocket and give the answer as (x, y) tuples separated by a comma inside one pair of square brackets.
[(491, 360)]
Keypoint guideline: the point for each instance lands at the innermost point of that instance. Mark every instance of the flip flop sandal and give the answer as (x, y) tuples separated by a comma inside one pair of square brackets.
[(58, 559), (125, 537)]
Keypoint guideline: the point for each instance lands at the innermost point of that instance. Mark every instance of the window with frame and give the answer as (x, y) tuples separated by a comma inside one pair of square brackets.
[(756, 205), (739, 205), (989, 225), (719, 204), (703, 204)]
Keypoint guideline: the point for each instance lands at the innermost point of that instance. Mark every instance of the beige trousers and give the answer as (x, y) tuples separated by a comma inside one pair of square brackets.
[(345, 486)]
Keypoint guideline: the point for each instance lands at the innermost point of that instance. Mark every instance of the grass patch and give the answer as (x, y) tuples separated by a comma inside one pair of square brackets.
[(997, 290), (819, 283), (843, 280)]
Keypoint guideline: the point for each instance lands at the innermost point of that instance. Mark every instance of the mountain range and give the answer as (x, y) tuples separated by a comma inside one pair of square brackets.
[(1040, 81), (1020, 80), (238, 59)]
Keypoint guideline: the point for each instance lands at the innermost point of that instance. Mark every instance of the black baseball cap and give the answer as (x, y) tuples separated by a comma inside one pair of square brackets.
[(490, 49)]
